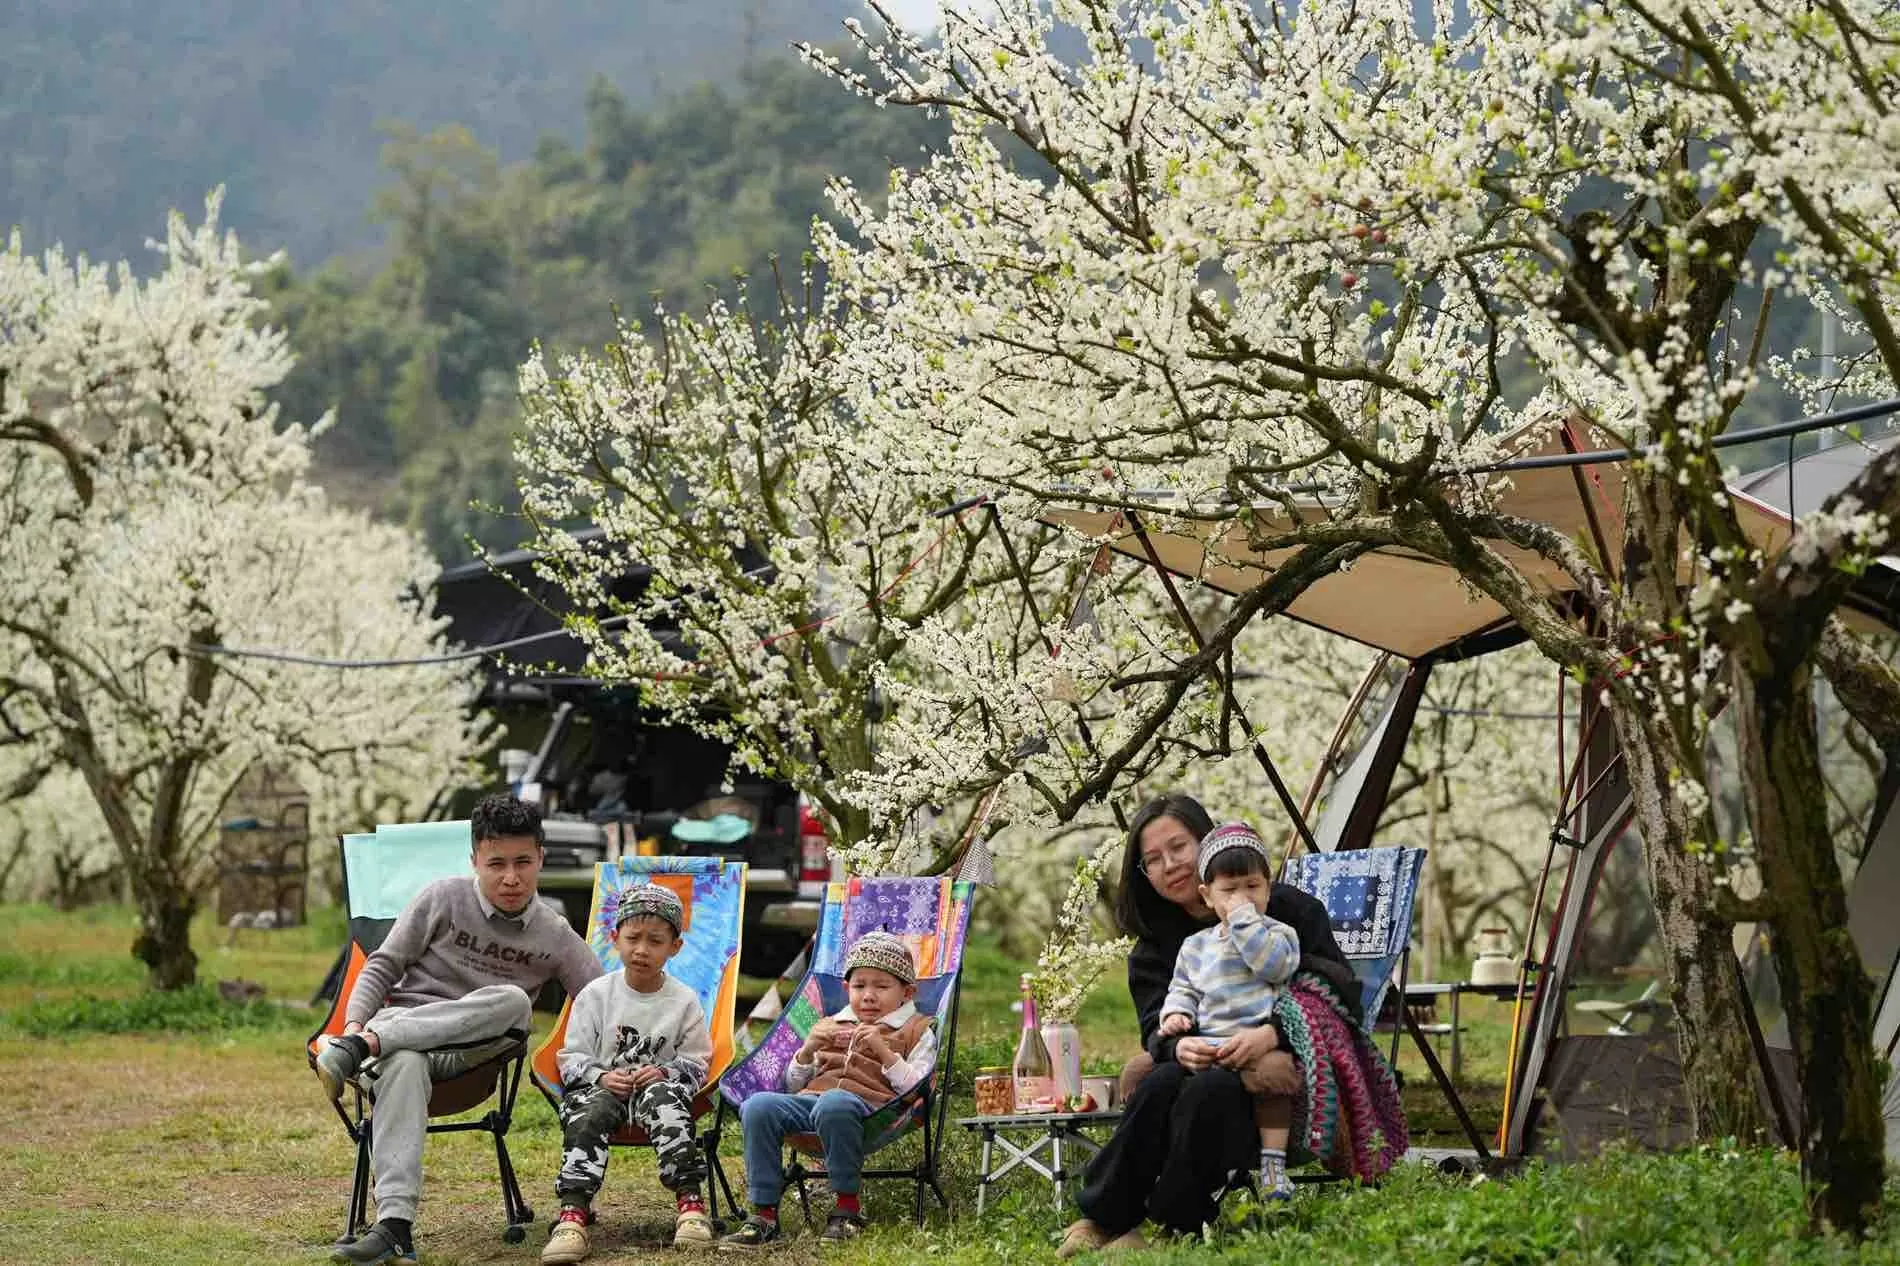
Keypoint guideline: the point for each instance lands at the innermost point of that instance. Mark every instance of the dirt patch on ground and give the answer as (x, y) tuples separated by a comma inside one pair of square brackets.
[(138, 1084)]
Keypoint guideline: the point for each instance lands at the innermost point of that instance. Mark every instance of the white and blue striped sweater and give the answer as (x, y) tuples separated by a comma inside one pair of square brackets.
[(1228, 977)]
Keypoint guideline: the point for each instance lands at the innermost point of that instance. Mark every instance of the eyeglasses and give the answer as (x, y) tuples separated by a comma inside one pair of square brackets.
[(1166, 859)]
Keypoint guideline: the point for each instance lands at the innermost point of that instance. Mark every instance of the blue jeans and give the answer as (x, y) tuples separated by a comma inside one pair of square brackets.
[(836, 1117)]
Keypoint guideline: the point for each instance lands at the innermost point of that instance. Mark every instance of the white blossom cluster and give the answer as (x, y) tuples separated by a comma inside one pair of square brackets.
[(803, 580), (151, 501), (1240, 253), (1076, 955)]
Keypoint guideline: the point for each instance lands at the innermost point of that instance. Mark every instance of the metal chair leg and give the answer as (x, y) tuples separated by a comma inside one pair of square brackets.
[(514, 1206), (358, 1214), (797, 1175)]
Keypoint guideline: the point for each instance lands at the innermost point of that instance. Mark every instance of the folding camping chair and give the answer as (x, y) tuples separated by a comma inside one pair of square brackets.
[(1368, 894), (933, 917), (381, 873), (713, 892)]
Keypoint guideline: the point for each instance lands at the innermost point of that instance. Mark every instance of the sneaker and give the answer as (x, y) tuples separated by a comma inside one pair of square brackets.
[(567, 1242), (375, 1246), (840, 1227), (692, 1228), (755, 1232), (338, 1063)]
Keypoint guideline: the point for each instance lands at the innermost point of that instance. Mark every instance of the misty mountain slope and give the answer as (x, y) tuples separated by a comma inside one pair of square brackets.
[(113, 111)]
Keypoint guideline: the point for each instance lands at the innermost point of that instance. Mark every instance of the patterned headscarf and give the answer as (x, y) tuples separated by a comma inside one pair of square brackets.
[(650, 901), (884, 952), (1229, 835)]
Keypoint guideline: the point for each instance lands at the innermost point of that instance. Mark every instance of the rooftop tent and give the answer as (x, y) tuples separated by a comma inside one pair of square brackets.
[(500, 599), (1415, 608)]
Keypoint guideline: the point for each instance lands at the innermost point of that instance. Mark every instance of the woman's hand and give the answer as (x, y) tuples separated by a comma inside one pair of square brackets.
[(1196, 1054), (1246, 1046)]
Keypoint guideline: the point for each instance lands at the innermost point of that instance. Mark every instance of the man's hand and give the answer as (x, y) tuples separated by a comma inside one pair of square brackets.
[(1246, 1046), (646, 1075), (618, 1082), (1176, 1023), (1196, 1054)]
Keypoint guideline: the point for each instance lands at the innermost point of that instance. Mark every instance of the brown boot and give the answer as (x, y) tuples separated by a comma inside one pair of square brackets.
[(1127, 1242)]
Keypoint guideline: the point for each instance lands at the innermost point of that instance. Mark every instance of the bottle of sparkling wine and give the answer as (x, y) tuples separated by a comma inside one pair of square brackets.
[(1034, 1072)]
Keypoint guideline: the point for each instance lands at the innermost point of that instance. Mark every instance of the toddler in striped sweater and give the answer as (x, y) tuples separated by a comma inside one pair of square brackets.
[(1228, 977)]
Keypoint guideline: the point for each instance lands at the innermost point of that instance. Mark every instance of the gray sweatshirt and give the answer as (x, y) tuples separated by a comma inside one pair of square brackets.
[(614, 1025), (451, 941)]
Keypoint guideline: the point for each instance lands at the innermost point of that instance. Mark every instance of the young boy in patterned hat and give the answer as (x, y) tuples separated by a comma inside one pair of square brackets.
[(1227, 978), (636, 1053), (851, 1064)]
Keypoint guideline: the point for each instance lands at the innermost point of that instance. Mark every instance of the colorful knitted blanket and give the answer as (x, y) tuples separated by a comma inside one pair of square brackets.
[(1350, 1117)]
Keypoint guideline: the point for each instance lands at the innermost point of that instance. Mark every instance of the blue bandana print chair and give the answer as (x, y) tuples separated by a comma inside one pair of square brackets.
[(712, 890), (932, 916), (1368, 895)]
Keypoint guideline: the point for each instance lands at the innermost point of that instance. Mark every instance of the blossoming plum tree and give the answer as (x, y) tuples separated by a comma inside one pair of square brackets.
[(1374, 245), (151, 504)]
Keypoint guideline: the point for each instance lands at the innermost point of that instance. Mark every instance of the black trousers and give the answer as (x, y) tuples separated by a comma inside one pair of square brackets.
[(1181, 1136)]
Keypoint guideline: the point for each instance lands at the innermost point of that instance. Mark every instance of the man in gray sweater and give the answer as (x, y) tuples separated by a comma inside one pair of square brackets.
[(449, 989)]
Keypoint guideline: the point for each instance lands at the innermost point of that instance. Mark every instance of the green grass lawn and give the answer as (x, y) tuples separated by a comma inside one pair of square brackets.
[(214, 1144)]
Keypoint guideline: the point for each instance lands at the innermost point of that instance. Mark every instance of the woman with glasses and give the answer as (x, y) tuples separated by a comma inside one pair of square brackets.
[(1189, 1120)]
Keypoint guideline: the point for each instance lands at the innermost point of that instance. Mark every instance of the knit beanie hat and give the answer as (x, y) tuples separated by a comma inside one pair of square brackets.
[(884, 952), (650, 901), (1229, 835)]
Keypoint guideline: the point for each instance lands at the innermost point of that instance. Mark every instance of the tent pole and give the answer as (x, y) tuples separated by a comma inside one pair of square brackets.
[(1571, 445), (1226, 684), (1369, 806), (1566, 791), (1339, 734), (1606, 808)]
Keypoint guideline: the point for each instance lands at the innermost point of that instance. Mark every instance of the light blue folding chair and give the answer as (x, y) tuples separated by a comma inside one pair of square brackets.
[(382, 872)]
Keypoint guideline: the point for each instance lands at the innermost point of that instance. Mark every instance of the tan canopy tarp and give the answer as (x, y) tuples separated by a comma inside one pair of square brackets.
[(1393, 599)]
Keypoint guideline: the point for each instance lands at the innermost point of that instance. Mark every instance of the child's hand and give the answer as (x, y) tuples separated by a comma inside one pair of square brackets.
[(821, 1036), (1225, 903), (874, 1045), (646, 1075), (618, 1082), (1176, 1023)]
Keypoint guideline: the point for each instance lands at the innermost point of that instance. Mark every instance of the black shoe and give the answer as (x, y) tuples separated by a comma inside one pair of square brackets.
[(338, 1063), (374, 1246), (841, 1227), (755, 1232)]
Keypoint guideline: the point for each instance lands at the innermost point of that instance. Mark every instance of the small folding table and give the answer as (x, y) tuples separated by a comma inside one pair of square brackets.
[(1050, 1133)]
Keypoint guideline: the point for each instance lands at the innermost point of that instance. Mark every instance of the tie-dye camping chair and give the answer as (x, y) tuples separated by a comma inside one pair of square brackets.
[(713, 891), (933, 917)]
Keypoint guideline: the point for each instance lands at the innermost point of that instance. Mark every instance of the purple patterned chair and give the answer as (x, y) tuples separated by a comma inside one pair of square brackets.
[(933, 917)]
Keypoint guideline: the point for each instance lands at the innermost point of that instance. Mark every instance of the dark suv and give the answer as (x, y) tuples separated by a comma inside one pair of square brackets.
[(613, 778)]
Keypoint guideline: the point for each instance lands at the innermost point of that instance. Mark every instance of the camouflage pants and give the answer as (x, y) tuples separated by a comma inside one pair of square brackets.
[(589, 1116)]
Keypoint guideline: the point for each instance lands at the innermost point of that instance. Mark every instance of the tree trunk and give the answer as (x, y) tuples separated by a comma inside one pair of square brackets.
[(1711, 1030), (164, 939), (1824, 988)]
